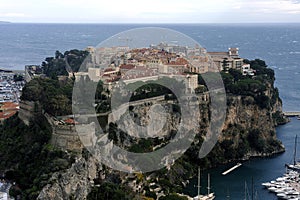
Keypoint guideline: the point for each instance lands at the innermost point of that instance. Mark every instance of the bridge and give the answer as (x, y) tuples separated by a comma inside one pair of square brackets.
[(291, 113)]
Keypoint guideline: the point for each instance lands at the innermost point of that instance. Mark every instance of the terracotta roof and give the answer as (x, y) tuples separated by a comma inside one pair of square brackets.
[(128, 67), (70, 121), (179, 61), (9, 106), (109, 70), (6, 115)]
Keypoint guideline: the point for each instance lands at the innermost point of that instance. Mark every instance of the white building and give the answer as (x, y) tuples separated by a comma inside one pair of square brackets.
[(246, 70)]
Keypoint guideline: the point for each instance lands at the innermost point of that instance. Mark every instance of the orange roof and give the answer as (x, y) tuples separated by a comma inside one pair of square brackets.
[(128, 67), (109, 70), (6, 115), (70, 121), (9, 106)]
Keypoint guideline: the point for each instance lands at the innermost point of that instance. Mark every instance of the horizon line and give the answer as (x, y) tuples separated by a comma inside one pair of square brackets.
[(142, 23)]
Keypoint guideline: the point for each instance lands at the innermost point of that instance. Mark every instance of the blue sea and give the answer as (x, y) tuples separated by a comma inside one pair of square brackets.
[(277, 44)]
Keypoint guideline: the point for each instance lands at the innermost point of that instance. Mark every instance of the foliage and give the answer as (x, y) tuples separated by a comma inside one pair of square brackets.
[(256, 140), (162, 86), (55, 97), (256, 87), (279, 118), (262, 69), (18, 77), (151, 194), (109, 190), (25, 151), (75, 58), (54, 67), (61, 64)]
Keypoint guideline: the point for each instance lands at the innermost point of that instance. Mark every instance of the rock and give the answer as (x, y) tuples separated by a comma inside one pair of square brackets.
[(74, 183)]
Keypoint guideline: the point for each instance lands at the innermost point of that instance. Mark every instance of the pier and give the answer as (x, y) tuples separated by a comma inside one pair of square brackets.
[(291, 113), (231, 169)]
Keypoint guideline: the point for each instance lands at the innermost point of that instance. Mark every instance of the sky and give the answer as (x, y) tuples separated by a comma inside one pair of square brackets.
[(150, 11)]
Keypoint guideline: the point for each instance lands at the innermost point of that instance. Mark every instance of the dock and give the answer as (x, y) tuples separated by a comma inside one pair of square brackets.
[(231, 169), (291, 113)]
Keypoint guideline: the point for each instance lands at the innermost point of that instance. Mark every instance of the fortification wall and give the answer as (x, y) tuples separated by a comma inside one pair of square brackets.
[(64, 137), (28, 109)]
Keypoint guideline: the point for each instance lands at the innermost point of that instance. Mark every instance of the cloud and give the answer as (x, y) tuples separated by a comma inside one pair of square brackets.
[(154, 11), (269, 6), (12, 15)]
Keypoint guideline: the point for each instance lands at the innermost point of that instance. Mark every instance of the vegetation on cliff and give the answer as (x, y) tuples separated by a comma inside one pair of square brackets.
[(27, 158), (54, 96), (63, 64)]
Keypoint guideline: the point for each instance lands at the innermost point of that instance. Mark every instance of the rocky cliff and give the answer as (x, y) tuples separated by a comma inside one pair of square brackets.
[(74, 183), (253, 112), (249, 130)]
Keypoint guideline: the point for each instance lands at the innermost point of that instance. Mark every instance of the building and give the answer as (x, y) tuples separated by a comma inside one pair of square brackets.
[(227, 60), (201, 64), (171, 48), (246, 70), (7, 110), (6, 75), (32, 71)]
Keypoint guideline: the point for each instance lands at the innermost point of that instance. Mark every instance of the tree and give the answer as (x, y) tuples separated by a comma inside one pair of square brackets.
[(58, 55), (99, 90), (18, 77), (236, 74)]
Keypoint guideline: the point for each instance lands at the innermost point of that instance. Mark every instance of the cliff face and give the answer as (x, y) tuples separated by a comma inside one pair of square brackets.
[(253, 111), (250, 127), (249, 130), (74, 183)]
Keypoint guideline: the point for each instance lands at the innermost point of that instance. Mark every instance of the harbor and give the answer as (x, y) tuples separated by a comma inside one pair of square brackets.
[(261, 170), (286, 186)]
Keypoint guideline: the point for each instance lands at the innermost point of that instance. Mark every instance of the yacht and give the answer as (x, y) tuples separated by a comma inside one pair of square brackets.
[(209, 196), (296, 165)]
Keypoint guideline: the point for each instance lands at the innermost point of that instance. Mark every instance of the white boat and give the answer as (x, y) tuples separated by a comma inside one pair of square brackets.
[(296, 165), (284, 190), (292, 192), (209, 196), (268, 184), (281, 179), (282, 196), (272, 189)]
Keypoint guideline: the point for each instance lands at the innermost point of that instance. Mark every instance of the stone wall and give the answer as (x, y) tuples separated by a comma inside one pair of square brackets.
[(64, 136), (28, 109)]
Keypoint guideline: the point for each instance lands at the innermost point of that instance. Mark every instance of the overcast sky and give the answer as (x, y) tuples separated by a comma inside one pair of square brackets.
[(150, 11)]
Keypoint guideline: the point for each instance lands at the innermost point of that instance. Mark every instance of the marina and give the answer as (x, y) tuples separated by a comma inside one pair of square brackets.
[(260, 170), (286, 186)]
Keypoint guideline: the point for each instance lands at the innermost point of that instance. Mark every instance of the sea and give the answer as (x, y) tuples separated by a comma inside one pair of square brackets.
[(277, 44)]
